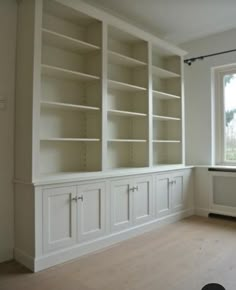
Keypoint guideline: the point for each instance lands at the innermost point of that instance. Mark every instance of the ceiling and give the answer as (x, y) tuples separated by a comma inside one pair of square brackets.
[(177, 21)]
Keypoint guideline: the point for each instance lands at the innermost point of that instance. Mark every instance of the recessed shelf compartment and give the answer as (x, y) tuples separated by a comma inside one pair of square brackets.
[(71, 23), (135, 103), (67, 125), (167, 153), (127, 155), (124, 86), (63, 91), (127, 128), (127, 59), (165, 63), (126, 114), (121, 59), (167, 109), (164, 96), (56, 39), (166, 131), (166, 69), (163, 73), (127, 45), (57, 105), (68, 157), (66, 74)]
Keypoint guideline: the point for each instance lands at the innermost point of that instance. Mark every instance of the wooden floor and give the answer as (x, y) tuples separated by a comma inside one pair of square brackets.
[(181, 256)]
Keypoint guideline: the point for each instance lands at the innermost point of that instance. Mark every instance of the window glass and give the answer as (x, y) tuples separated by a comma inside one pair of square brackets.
[(229, 95)]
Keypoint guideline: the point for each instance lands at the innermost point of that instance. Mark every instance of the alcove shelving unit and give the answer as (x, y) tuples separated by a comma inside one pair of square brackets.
[(105, 95), (99, 118)]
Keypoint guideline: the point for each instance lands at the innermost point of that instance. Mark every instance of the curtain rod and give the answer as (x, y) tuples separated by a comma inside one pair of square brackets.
[(189, 61)]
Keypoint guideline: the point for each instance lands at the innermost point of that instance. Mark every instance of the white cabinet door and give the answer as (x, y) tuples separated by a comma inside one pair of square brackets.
[(174, 192), (142, 200), (178, 191), (121, 207), (59, 218), (163, 194), (91, 211)]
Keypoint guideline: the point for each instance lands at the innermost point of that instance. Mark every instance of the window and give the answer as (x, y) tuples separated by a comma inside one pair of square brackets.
[(225, 115)]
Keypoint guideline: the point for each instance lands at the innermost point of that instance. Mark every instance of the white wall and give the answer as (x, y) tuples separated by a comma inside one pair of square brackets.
[(8, 18), (198, 93)]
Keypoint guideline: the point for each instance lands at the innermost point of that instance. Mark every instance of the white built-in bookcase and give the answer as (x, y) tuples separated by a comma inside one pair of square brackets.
[(110, 95)]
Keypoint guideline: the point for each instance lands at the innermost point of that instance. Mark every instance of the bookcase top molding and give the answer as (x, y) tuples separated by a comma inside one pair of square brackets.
[(123, 25)]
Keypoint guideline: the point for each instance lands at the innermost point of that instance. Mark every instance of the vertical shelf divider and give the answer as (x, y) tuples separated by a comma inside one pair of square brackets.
[(104, 89), (36, 89), (182, 111), (150, 106)]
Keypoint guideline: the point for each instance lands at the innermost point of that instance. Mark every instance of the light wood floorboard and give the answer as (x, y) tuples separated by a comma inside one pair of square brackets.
[(182, 256)]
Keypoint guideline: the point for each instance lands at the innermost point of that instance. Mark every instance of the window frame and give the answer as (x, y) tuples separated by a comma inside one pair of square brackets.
[(219, 114)]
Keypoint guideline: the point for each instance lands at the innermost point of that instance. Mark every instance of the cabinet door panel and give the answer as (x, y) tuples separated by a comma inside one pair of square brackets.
[(143, 199), (59, 217), (91, 211), (163, 194), (121, 215), (178, 192)]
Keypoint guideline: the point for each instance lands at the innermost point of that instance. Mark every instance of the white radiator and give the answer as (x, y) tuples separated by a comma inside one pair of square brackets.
[(223, 192)]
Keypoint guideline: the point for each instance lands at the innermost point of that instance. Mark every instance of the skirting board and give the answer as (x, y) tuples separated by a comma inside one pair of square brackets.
[(6, 254), (202, 212), (71, 253)]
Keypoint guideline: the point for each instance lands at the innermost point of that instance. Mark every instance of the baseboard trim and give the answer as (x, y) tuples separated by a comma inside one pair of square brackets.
[(202, 212), (72, 253), (6, 254), (24, 259)]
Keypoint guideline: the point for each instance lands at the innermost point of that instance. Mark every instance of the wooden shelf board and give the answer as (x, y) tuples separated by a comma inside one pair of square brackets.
[(166, 141), (164, 96), (163, 73), (124, 86), (66, 42), (66, 74), (128, 140), (121, 59), (126, 113), (165, 118), (72, 139), (68, 106)]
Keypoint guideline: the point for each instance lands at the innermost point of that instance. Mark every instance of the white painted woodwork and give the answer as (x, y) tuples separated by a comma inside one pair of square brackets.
[(163, 74), (143, 209), (59, 40), (59, 217), (121, 205), (99, 99), (131, 202), (178, 191), (163, 194), (122, 86), (100, 83), (173, 192), (91, 212)]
